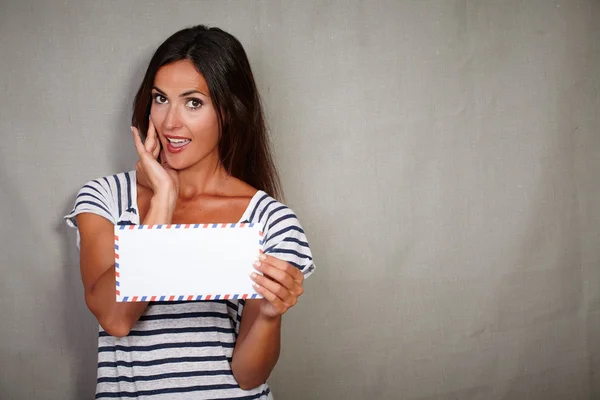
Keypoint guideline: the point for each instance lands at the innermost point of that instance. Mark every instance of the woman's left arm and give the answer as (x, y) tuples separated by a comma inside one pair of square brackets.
[(257, 348)]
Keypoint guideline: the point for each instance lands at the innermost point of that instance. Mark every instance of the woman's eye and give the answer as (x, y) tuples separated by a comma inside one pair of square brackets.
[(194, 103), (160, 99)]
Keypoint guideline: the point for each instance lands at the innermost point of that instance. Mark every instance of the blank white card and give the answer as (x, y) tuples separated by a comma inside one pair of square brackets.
[(186, 262)]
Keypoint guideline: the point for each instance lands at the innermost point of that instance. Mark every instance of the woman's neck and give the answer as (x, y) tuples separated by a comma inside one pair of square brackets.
[(195, 183), (208, 177)]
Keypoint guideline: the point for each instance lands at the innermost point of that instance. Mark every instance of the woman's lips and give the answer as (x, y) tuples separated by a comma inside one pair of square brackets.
[(177, 145)]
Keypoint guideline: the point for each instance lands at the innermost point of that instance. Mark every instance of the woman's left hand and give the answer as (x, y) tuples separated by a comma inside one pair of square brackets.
[(280, 285)]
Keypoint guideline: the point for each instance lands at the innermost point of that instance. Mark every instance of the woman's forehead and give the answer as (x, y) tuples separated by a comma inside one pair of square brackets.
[(180, 76)]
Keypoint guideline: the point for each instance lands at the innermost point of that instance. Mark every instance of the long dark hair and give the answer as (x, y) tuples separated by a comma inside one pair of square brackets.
[(244, 148)]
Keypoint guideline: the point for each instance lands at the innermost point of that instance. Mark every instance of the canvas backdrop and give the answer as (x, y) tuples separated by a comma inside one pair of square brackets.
[(442, 155)]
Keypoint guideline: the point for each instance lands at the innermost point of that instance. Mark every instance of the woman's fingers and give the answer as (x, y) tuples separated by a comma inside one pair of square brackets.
[(151, 146), (152, 174), (149, 143), (152, 141), (139, 146), (156, 150), (280, 284), (284, 266), (163, 160), (274, 287), (274, 299), (275, 279), (278, 275)]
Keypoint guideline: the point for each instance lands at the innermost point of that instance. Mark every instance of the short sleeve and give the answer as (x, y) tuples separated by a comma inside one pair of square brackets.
[(94, 197), (286, 240)]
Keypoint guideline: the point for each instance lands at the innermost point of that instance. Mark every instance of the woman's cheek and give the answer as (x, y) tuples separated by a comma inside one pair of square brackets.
[(157, 114), (198, 124)]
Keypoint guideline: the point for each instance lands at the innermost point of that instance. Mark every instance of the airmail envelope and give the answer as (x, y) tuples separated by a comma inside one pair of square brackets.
[(186, 262)]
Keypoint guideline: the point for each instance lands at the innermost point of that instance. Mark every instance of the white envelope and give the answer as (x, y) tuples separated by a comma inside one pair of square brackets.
[(186, 262)]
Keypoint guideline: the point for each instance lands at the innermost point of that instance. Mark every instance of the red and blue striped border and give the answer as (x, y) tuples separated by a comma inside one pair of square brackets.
[(190, 297), (184, 226), (243, 296)]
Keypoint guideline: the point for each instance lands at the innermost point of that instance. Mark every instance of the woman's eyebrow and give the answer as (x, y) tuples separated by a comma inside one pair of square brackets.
[(192, 92), (182, 94)]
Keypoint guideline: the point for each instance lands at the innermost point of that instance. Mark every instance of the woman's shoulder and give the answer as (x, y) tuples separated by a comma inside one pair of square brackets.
[(114, 181), (118, 189), (266, 209), (284, 236), (277, 219), (109, 196), (110, 185)]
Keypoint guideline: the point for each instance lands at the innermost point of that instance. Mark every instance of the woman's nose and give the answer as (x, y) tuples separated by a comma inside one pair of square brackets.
[(172, 119)]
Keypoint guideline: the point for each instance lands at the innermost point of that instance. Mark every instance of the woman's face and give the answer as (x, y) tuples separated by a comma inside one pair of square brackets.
[(184, 117)]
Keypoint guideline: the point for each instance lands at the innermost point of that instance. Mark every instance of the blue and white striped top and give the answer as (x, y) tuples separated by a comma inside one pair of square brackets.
[(182, 350)]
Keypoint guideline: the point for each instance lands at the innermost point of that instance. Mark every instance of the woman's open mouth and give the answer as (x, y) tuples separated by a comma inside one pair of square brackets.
[(176, 144)]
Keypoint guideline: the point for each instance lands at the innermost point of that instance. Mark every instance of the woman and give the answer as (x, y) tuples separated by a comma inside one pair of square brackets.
[(203, 158)]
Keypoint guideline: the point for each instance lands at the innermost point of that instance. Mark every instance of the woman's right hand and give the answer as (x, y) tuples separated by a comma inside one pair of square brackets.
[(162, 179)]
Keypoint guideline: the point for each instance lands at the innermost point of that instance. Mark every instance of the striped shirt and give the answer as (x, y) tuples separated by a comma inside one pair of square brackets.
[(182, 350)]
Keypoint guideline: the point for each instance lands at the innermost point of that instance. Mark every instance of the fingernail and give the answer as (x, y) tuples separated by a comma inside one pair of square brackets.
[(253, 275), (256, 285), (257, 263), (262, 257)]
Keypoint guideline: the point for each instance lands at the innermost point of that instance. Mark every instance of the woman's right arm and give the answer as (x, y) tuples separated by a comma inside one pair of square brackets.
[(97, 263), (97, 251)]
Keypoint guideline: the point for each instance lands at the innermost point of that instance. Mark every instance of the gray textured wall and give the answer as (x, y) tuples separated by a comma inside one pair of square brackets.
[(442, 155)]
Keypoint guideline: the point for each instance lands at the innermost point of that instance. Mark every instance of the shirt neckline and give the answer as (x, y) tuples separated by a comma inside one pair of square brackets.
[(245, 215)]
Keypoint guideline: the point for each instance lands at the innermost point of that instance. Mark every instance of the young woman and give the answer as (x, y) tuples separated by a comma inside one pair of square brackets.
[(204, 157)]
